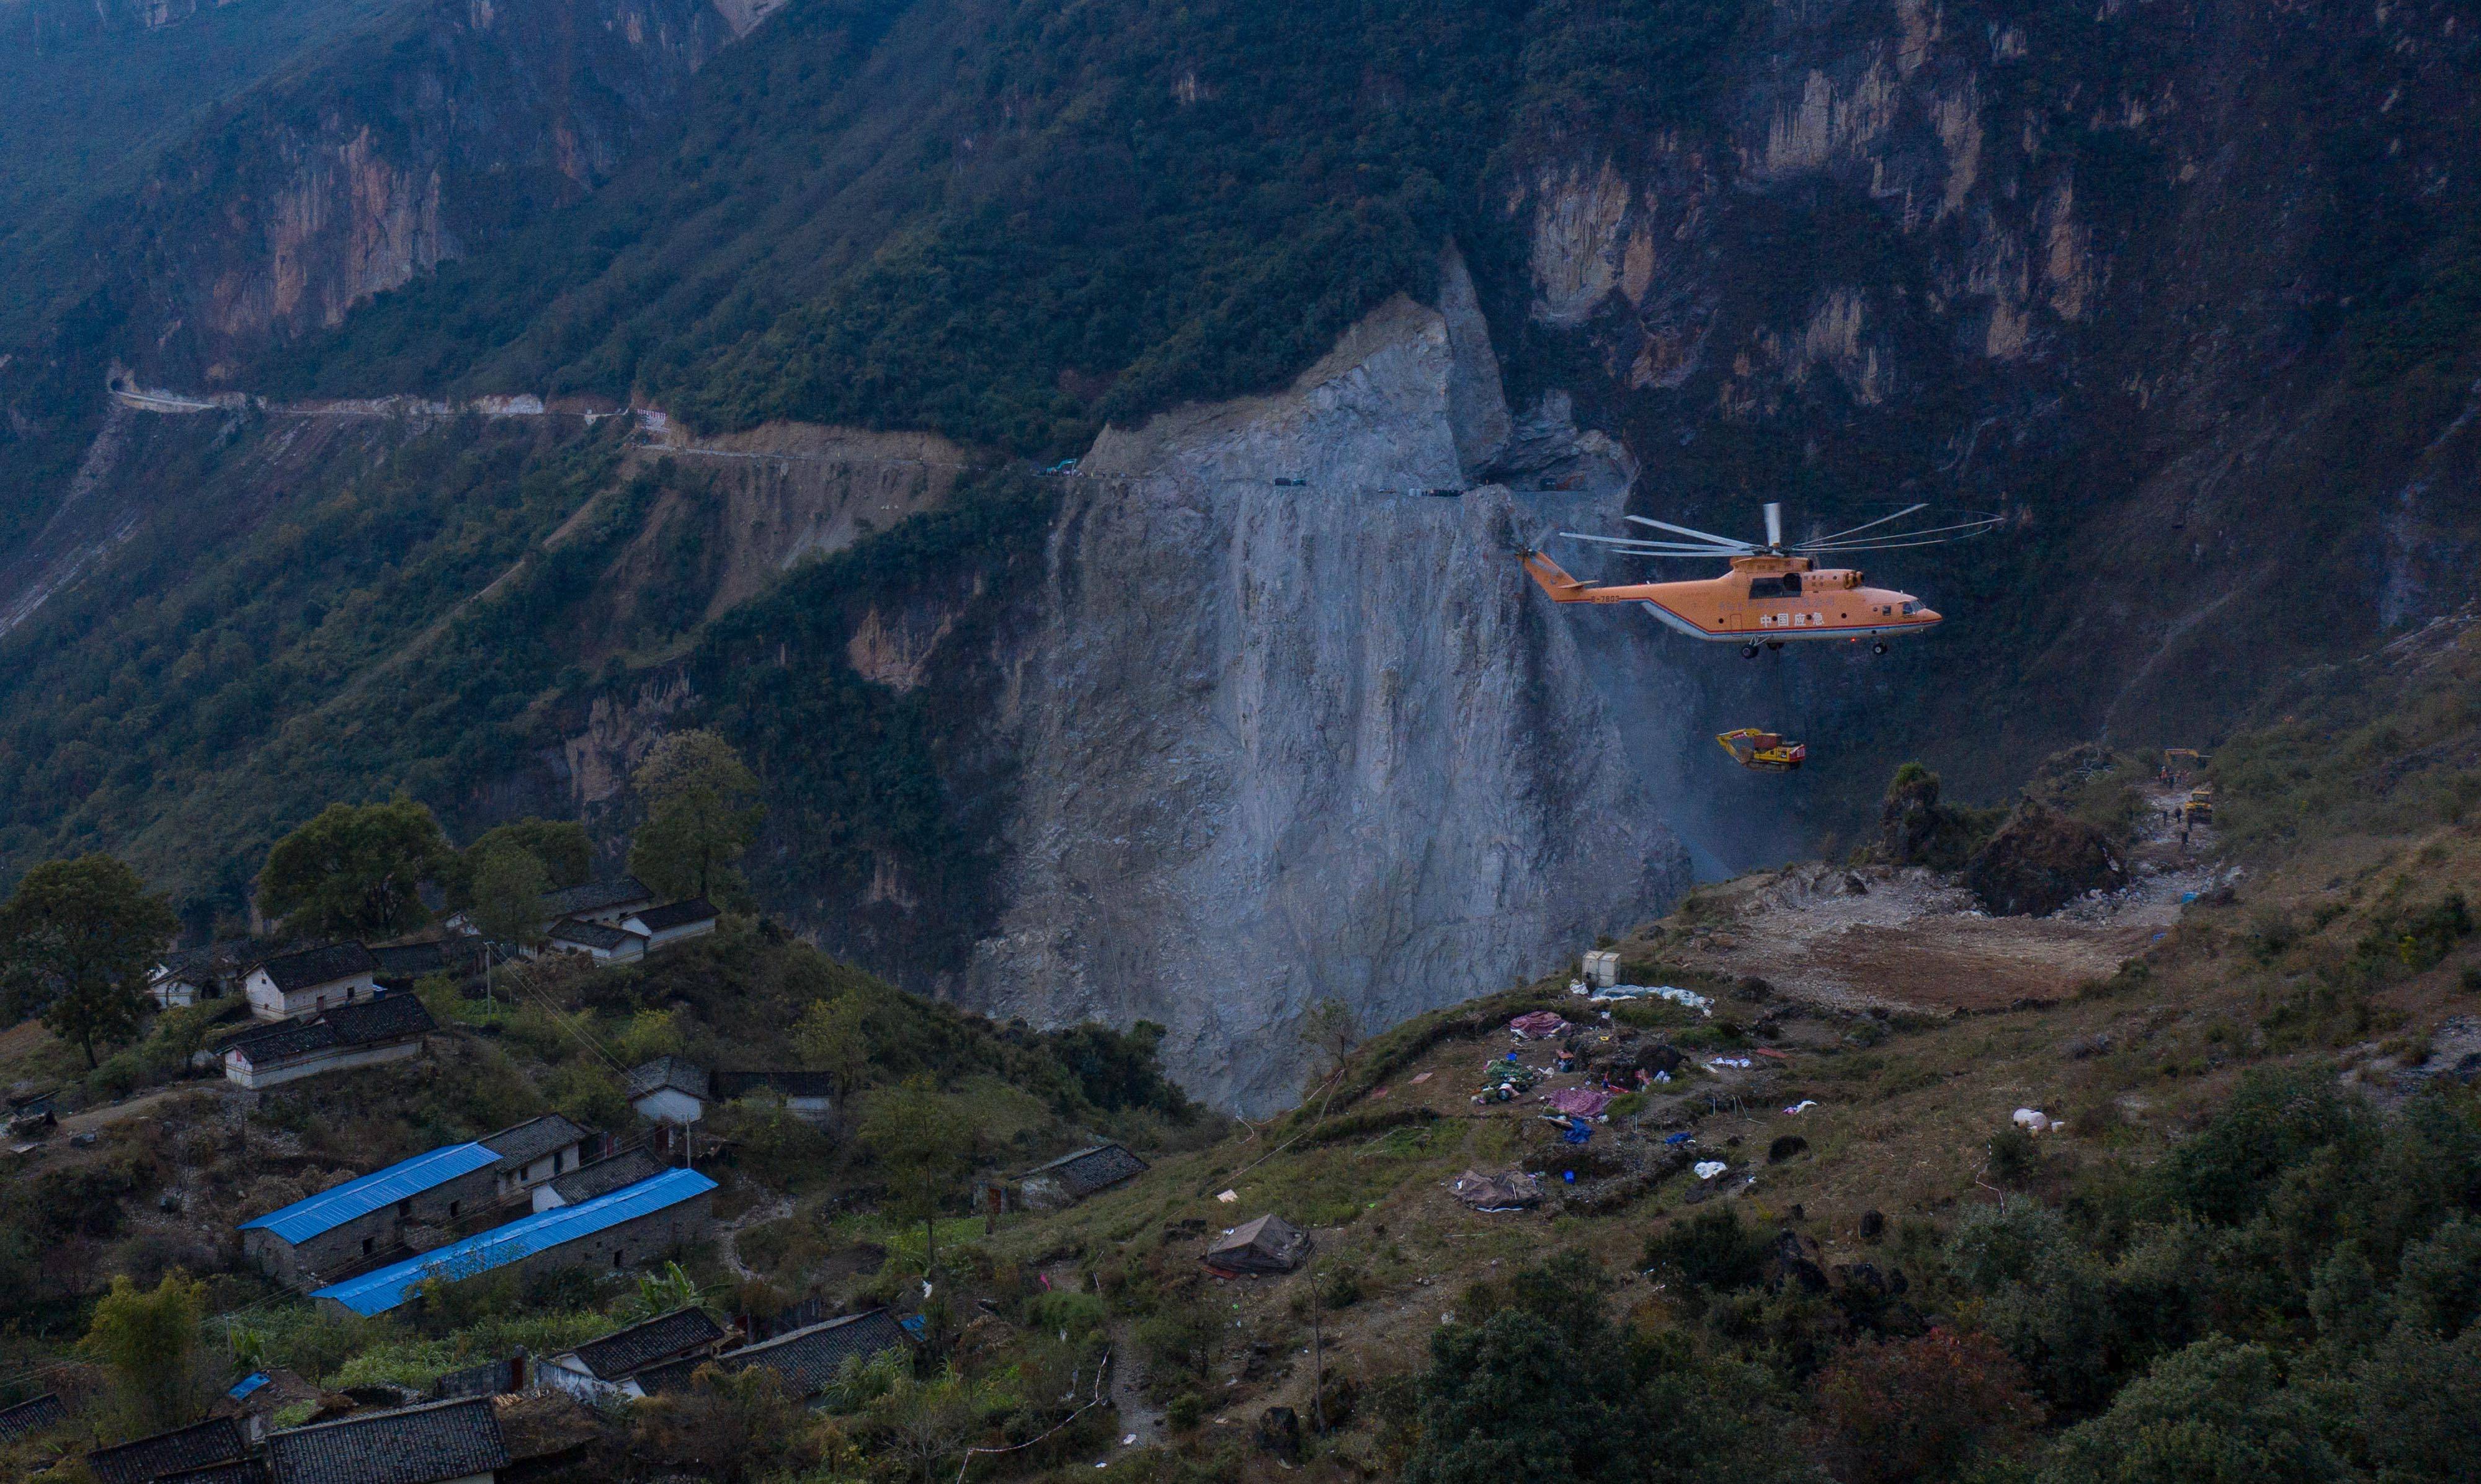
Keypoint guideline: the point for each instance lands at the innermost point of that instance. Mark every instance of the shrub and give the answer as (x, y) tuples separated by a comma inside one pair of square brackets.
[(1919, 1409), (2216, 1413), (1709, 1251)]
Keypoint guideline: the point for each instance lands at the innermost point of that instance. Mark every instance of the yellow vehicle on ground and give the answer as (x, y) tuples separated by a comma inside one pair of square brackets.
[(2200, 807)]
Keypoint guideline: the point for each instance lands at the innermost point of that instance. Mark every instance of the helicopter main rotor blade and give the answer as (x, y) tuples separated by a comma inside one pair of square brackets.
[(1703, 536), (1893, 545), (1930, 536), (1655, 548), (1865, 525)]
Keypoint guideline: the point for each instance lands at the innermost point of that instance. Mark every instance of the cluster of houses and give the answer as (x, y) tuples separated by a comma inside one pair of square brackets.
[(341, 1005), (472, 1429)]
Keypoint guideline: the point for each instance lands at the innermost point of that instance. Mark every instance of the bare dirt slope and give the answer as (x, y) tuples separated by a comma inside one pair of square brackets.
[(1909, 940)]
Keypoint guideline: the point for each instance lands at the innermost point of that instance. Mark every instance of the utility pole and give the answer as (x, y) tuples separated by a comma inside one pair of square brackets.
[(1317, 1375)]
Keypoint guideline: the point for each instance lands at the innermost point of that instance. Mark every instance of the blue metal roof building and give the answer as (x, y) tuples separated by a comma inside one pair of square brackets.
[(382, 1289), (329, 1209)]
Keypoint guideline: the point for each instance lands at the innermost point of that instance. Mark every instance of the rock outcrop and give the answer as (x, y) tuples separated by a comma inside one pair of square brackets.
[(2040, 861), (464, 120), (1285, 742)]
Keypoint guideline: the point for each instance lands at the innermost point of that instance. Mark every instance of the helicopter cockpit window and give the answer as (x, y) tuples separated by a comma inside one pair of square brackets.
[(1787, 586)]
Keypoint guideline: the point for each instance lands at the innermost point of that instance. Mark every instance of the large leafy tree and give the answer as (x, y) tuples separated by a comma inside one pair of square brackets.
[(701, 813), (355, 871), (76, 940), (149, 1341), (508, 888), (561, 846)]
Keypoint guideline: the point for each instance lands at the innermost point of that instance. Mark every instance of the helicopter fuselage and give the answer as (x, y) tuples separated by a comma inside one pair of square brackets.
[(1765, 599)]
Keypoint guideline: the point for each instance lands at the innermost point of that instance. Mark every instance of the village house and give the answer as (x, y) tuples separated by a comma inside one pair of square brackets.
[(33, 1416), (191, 975), (362, 1033), (628, 1225), (606, 1370), (311, 979), (670, 923), (436, 1443), (807, 1359), (307, 1243), (601, 1178), (669, 1091), (808, 1096), (534, 1151), (598, 902), (601, 942), (161, 1455), (1072, 1178)]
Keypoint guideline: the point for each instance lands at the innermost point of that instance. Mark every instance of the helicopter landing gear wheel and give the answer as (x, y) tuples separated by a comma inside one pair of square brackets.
[(1878, 647), (1775, 646), (1748, 651)]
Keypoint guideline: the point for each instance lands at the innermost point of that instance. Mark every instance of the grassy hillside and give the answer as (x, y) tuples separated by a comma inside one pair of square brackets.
[(2244, 1248)]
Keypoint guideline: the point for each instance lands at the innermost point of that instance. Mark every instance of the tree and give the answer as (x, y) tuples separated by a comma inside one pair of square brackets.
[(508, 886), (1919, 1409), (149, 1341), (833, 1038), (355, 871), (76, 940), (925, 1150), (566, 853), (701, 814), (729, 1427), (2216, 1413), (1331, 1030)]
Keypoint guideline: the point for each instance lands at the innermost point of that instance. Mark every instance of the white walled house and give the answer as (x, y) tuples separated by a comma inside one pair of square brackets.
[(311, 980), (601, 942), (363, 1033), (669, 1091), (535, 1152), (671, 922), (601, 1178)]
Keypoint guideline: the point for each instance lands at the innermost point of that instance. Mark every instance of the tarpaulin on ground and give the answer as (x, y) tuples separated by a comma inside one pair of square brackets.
[(1269, 1244), (1514, 1190), (1676, 995), (1583, 1101), (1538, 1024)]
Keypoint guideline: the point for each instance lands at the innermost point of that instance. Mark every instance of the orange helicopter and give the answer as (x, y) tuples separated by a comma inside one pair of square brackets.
[(1774, 592)]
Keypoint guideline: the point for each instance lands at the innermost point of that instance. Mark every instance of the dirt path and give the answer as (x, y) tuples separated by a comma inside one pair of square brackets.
[(117, 1112), (1140, 1418), (730, 1233)]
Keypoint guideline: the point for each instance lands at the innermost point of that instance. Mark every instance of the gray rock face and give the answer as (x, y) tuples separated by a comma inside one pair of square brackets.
[(1285, 743)]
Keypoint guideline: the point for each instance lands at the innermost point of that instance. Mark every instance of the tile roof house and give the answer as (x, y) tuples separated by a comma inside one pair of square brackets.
[(433, 1443), (635, 1222), (40, 1414), (607, 1369), (143, 1461), (601, 942), (535, 1151), (808, 1358), (403, 963), (669, 1091), (191, 975), (598, 902), (671, 922), (360, 1033), (247, 1471), (806, 1095), (1072, 1178), (601, 1178), (312, 1240), (310, 980)]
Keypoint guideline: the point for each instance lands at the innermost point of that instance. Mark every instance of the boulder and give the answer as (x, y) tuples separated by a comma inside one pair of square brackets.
[(2040, 861)]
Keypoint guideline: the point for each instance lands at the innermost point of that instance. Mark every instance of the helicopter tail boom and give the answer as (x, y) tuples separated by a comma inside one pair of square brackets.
[(1553, 580)]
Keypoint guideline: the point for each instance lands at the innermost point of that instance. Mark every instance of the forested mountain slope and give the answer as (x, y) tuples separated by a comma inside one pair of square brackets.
[(2186, 289)]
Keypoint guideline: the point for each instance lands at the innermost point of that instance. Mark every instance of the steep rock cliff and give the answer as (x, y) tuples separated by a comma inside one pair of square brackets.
[(1283, 744), (464, 119)]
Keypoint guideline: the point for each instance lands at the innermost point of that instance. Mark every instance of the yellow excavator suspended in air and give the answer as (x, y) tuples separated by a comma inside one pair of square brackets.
[(1766, 752)]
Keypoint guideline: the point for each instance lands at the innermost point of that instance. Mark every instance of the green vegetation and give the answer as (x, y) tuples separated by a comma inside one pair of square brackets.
[(700, 817), (133, 93), (355, 871), (77, 940)]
